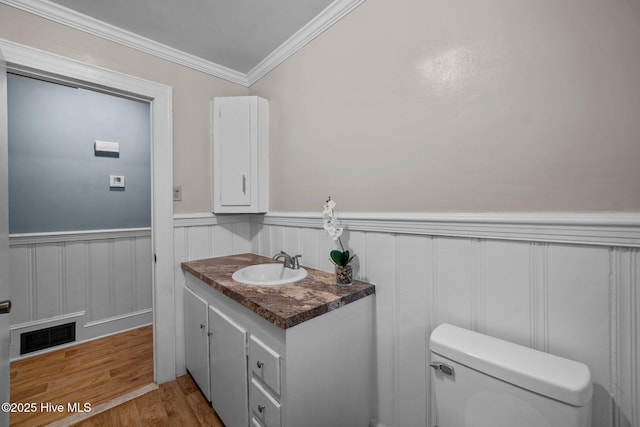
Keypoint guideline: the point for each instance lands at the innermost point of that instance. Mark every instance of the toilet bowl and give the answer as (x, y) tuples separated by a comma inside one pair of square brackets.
[(482, 381)]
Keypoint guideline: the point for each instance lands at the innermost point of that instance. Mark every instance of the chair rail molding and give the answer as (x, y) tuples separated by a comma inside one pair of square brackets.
[(76, 236), (604, 229), (207, 219)]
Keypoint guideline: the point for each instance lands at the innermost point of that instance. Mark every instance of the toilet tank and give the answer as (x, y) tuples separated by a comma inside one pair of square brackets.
[(482, 381)]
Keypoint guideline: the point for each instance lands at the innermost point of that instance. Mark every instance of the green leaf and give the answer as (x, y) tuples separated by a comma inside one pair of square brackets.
[(336, 257), (345, 258), (341, 258)]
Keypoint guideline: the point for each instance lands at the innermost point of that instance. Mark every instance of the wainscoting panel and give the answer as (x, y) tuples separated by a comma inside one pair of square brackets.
[(414, 294), (77, 276), (507, 267), (98, 278), (101, 289), (198, 236), (565, 284)]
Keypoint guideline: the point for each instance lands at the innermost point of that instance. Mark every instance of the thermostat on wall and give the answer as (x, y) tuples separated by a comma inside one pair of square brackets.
[(116, 181)]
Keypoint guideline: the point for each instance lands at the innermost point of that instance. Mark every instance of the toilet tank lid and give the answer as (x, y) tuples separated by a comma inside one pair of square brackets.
[(543, 373)]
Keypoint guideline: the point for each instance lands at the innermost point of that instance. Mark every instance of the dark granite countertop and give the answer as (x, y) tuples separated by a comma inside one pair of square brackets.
[(283, 305)]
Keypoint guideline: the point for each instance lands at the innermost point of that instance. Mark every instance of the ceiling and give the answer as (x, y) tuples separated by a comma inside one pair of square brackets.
[(237, 34), (237, 40)]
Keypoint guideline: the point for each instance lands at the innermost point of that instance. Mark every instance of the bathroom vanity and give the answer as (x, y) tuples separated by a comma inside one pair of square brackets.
[(299, 354)]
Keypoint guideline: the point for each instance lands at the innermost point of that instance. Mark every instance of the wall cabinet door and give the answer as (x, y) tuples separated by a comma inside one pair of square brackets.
[(197, 342), (240, 154), (228, 358)]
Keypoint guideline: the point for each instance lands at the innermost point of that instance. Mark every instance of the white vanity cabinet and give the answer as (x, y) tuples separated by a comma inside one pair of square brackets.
[(240, 154), (317, 373)]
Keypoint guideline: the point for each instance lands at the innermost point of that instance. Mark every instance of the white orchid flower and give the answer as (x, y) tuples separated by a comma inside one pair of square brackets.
[(330, 224), (329, 206), (330, 220), (333, 231)]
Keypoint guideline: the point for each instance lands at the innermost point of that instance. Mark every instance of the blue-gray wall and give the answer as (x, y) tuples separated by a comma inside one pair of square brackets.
[(56, 183)]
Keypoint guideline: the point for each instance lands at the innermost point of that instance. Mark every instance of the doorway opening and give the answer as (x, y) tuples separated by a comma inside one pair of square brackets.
[(25, 60), (80, 245)]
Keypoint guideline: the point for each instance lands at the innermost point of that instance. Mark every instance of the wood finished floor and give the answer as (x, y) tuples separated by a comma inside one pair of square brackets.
[(176, 403), (100, 371)]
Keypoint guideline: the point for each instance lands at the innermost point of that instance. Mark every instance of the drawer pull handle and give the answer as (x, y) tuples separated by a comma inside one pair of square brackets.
[(260, 364), (261, 408)]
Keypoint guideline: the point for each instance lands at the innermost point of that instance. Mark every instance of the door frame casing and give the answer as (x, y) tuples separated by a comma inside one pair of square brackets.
[(5, 336), (20, 58)]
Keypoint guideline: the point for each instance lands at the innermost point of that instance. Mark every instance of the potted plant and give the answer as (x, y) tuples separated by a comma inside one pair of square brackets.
[(340, 258)]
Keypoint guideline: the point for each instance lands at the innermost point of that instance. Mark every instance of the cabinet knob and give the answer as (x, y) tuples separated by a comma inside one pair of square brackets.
[(201, 326), (260, 364), (209, 333), (261, 408)]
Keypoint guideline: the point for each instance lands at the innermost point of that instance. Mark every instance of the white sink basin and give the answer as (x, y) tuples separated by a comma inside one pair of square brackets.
[(268, 275)]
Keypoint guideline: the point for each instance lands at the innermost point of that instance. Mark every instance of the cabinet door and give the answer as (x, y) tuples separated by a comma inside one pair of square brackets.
[(197, 341), (228, 358), (240, 154), (235, 136)]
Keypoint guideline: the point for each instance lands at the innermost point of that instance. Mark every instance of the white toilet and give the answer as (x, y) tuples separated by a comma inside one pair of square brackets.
[(481, 381)]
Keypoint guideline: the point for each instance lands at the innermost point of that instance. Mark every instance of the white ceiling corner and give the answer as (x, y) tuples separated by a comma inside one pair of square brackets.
[(332, 14), (57, 13)]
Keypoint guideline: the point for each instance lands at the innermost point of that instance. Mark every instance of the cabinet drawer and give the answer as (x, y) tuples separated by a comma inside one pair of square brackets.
[(264, 363), (264, 407)]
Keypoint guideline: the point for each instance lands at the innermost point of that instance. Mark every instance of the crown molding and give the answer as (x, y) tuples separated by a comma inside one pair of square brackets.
[(65, 16), (87, 24), (323, 21)]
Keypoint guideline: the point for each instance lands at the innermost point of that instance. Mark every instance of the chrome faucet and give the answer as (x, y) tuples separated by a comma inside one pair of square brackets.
[(289, 261)]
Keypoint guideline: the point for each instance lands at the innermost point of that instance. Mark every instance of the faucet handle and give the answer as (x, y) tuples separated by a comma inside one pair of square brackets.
[(296, 261)]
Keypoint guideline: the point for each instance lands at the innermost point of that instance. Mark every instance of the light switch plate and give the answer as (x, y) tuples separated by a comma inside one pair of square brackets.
[(177, 193), (116, 181)]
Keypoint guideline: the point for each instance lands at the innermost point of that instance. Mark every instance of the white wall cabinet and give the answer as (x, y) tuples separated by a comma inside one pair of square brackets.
[(240, 154), (316, 374), (197, 341)]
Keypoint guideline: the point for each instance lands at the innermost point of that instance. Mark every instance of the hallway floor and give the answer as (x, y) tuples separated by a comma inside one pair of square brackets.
[(114, 375)]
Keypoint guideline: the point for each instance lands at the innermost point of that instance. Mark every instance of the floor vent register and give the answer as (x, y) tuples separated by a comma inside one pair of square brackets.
[(48, 337)]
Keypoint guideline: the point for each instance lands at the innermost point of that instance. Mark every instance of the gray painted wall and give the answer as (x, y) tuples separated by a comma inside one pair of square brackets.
[(56, 183)]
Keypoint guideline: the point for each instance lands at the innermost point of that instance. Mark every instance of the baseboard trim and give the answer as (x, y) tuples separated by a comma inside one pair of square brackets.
[(85, 332), (45, 323), (147, 311)]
